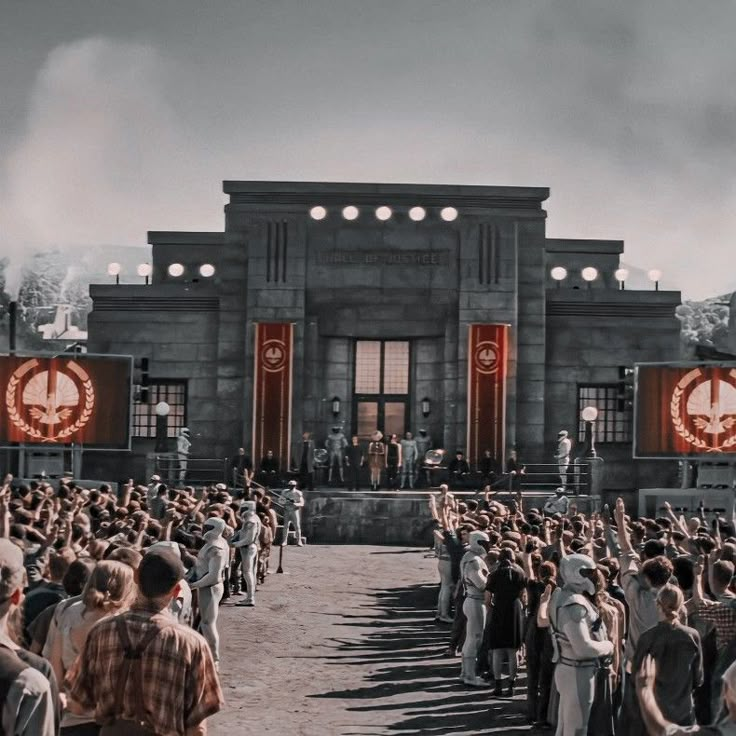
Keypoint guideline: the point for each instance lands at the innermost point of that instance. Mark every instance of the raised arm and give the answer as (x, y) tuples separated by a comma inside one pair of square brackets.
[(624, 538)]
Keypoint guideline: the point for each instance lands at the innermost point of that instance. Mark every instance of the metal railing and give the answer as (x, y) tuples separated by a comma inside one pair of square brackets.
[(199, 470)]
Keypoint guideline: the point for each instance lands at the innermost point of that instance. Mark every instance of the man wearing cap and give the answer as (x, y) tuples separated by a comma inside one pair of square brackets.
[(181, 605), (209, 580), (183, 445), (153, 485), (564, 447), (293, 505), (27, 697), (245, 540), (141, 672)]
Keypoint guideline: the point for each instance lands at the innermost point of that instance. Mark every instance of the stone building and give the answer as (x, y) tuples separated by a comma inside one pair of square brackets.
[(380, 285)]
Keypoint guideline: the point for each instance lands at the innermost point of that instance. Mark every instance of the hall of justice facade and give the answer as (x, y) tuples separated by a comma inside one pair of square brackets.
[(391, 307)]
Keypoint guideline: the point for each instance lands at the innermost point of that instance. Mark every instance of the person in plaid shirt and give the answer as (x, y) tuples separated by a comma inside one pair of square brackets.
[(142, 673)]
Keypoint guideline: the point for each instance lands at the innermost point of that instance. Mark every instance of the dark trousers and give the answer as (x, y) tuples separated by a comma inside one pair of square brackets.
[(306, 479), (457, 635), (392, 472), (539, 672), (354, 478)]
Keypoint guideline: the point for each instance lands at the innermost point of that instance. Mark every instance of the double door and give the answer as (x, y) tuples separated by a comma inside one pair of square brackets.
[(387, 413)]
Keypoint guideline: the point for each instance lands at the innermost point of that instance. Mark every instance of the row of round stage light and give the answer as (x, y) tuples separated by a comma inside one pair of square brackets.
[(351, 212), (145, 270), (590, 274)]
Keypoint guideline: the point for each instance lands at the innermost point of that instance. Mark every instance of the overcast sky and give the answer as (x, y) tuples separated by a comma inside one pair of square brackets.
[(122, 117)]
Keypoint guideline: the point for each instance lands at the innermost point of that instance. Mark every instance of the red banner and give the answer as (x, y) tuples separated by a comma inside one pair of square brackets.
[(272, 391), (77, 399), (685, 409), (487, 359)]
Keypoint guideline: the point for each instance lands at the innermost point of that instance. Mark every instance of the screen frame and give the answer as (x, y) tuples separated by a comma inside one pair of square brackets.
[(75, 445), (724, 457)]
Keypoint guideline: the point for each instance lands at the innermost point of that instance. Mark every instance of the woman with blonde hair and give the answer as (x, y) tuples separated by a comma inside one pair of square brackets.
[(109, 590)]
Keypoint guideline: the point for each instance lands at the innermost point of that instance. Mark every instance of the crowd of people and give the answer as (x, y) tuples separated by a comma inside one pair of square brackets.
[(625, 625), (104, 591)]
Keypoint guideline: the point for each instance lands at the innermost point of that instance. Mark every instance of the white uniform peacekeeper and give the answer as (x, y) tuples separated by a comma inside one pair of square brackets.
[(579, 638), (473, 574), (209, 579), (245, 541), (293, 505)]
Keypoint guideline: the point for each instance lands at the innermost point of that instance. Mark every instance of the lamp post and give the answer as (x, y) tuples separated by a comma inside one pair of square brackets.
[(621, 275), (145, 270), (162, 426), (654, 276), (113, 269), (589, 274), (589, 414)]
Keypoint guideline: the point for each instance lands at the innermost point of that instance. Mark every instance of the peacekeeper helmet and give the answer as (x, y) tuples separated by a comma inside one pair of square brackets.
[(479, 542), (248, 507), (577, 572)]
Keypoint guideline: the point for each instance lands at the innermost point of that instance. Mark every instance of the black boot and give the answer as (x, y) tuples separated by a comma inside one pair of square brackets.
[(510, 691), (498, 690)]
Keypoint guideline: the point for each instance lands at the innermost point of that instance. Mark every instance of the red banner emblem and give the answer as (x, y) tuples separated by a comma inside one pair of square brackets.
[(272, 391), (487, 358)]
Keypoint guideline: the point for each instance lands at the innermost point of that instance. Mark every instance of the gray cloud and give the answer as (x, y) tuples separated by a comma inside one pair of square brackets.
[(624, 109)]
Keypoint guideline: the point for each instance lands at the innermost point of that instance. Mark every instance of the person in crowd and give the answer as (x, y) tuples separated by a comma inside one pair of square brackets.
[(109, 590), (376, 458), (354, 459), (28, 701), (474, 575), (146, 645), (245, 541), (408, 460), (265, 542), (208, 579), (293, 504), (504, 588), (393, 461), (241, 469), (557, 504), (444, 568), (458, 470)]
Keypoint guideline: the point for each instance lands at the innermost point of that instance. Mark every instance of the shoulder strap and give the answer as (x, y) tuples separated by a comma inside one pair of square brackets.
[(133, 655)]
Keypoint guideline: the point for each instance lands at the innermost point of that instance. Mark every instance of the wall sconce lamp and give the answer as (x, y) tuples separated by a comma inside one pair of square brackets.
[(426, 407), (335, 405)]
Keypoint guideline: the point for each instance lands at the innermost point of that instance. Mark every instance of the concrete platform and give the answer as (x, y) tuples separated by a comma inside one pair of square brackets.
[(340, 516)]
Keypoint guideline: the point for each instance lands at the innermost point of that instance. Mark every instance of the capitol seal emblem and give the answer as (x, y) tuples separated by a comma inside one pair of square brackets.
[(273, 355), (707, 406), (486, 357), (50, 404)]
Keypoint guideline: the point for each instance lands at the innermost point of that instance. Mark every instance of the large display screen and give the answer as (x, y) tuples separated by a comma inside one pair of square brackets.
[(64, 400), (685, 409)]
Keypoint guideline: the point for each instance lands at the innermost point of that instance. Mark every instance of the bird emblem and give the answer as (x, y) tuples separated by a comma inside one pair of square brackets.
[(712, 405), (49, 394)]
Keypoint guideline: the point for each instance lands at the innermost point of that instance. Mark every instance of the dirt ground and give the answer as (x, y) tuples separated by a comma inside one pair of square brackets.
[(345, 645)]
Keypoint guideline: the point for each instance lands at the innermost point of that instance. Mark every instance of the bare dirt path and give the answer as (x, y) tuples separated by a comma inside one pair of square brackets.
[(346, 645)]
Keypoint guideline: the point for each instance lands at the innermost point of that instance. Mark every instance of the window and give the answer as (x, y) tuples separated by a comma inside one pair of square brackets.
[(174, 393), (614, 416)]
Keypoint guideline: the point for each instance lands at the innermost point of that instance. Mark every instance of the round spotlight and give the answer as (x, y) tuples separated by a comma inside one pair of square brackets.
[(350, 212), (589, 274), (206, 270), (417, 213), (383, 213), (318, 213), (621, 274), (654, 275), (590, 414), (448, 214), (144, 269), (558, 273), (176, 269)]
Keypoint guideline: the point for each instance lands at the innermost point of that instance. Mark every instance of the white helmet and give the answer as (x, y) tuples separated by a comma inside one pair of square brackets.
[(474, 542), (247, 507), (571, 569)]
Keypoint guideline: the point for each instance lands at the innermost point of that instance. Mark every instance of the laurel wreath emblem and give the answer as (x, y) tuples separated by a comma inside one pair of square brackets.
[(33, 432), (683, 431)]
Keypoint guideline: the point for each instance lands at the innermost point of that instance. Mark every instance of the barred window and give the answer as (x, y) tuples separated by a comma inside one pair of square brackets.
[(174, 393), (615, 416)]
